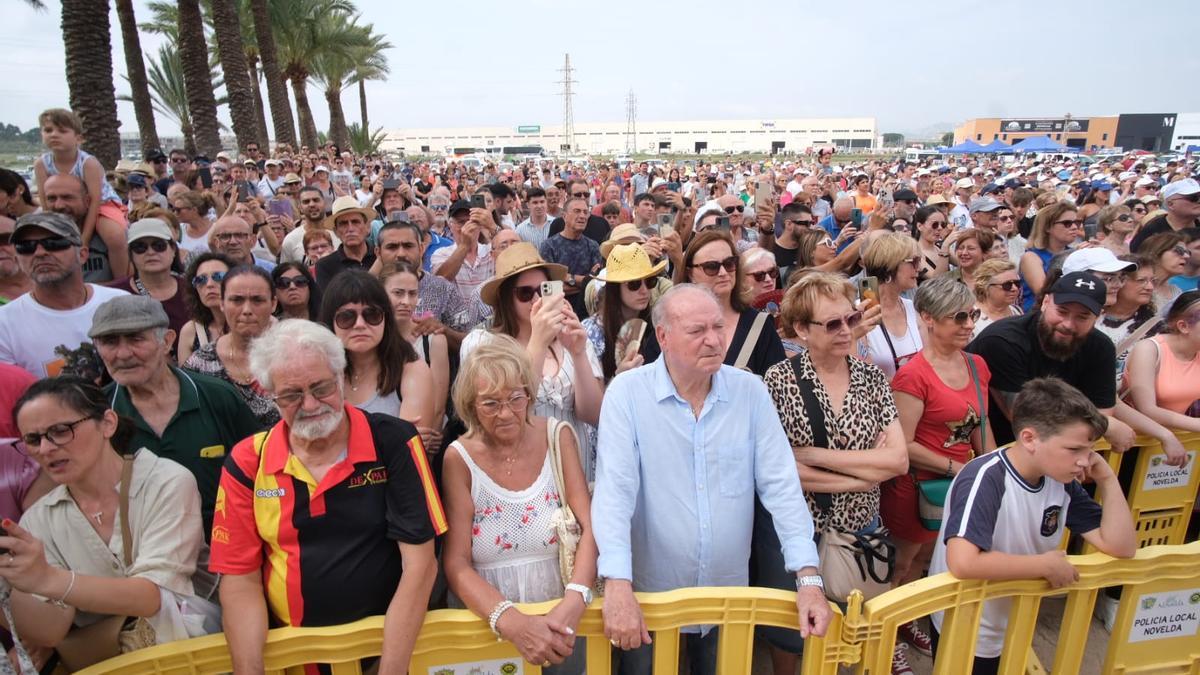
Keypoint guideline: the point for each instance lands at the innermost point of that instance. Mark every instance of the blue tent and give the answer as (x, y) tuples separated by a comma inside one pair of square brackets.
[(967, 147), (997, 146), (1041, 144)]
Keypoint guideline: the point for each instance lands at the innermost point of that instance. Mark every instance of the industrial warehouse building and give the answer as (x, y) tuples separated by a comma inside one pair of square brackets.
[(1155, 132), (696, 137)]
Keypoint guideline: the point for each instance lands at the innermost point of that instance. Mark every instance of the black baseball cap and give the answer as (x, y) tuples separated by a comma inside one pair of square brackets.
[(155, 155), (1083, 288), (460, 205), (904, 195)]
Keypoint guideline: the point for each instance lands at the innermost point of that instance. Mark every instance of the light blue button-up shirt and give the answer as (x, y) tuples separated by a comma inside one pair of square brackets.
[(674, 502)]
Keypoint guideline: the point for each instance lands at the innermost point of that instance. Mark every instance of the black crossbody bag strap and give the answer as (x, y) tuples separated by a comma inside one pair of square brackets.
[(816, 420)]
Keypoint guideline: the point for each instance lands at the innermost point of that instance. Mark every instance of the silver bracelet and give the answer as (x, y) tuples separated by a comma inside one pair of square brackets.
[(61, 603), (494, 617)]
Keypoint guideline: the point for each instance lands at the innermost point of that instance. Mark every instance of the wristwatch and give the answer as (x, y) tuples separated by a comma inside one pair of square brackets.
[(585, 592), (810, 580), (570, 281)]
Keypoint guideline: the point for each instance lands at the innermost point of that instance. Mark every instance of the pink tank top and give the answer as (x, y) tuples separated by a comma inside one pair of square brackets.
[(1177, 384)]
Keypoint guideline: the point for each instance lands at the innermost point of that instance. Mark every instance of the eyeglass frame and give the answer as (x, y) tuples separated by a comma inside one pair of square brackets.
[(37, 438), (291, 399)]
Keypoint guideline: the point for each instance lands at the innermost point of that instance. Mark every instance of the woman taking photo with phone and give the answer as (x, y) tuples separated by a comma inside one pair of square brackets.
[(570, 374), (629, 278)]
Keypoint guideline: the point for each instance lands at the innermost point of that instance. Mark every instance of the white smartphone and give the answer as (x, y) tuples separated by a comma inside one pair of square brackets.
[(552, 288)]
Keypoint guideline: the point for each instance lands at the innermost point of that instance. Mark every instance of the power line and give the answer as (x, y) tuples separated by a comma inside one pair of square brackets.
[(630, 122), (568, 114)]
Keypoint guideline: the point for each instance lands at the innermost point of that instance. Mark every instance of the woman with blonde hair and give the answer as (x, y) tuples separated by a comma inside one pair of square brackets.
[(894, 260), (1054, 229), (501, 487), (759, 273), (192, 210), (997, 289), (1116, 225), (971, 248)]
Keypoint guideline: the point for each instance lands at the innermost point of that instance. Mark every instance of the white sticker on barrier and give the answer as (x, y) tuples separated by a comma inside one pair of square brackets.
[(1160, 475), (493, 667), (1162, 616)]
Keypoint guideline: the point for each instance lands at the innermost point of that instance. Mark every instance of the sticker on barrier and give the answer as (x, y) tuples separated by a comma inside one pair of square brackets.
[(1166, 615), (493, 667), (1161, 476)]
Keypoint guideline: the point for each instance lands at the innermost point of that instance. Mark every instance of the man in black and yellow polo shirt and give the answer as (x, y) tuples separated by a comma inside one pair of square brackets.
[(329, 516), (186, 417)]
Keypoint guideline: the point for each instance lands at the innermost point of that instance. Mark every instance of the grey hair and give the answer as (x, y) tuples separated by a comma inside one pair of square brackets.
[(942, 296), (282, 342), (753, 255), (662, 308)]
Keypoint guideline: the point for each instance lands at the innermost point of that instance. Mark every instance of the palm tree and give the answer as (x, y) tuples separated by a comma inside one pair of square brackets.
[(363, 141), (306, 30), (332, 72), (169, 95), (228, 29), (370, 63), (193, 54), (143, 107), (281, 108), (88, 43)]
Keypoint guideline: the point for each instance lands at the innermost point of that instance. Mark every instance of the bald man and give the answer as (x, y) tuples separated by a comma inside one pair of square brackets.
[(235, 238)]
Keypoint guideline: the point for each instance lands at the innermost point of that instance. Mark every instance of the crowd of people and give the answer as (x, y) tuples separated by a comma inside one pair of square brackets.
[(247, 391)]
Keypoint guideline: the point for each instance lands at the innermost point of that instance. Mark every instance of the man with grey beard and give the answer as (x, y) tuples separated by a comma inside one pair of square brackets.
[(328, 517)]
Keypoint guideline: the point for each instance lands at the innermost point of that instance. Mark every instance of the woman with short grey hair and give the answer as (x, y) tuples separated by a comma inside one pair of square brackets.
[(941, 395)]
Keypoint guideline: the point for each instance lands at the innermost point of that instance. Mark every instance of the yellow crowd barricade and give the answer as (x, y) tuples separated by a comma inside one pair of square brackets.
[(1156, 628)]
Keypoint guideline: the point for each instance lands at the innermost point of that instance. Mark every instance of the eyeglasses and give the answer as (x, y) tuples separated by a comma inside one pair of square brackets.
[(915, 261), (202, 279), (347, 318), (1071, 224), (58, 434), (319, 391), (491, 407), (802, 223), (525, 293), (49, 245), (161, 160), (1193, 198), (1179, 249), (141, 246), (713, 267), (1009, 286), (287, 282), (579, 195), (1125, 218), (961, 318), (636, 285), (226, 237), (761, 277), (826, 242), (1111, 279), (935, 225), (439, 207), (177, 209), (1006, 218), (850, 322), (735, 209)]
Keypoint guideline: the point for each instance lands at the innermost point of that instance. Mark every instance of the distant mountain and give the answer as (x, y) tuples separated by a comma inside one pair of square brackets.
[(930, 131)]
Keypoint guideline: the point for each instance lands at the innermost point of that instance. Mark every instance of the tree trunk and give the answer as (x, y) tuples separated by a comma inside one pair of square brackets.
[(337, 120), (143, 105), (362, 104), (308, 128), (202, 104), (281, 109), (189, 136), (260, 115), (88, 46), (228, 30)]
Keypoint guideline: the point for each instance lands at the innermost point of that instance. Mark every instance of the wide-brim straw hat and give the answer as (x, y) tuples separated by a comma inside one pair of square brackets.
[(621, 234), (630, 262), (348, 204), (517, 258)]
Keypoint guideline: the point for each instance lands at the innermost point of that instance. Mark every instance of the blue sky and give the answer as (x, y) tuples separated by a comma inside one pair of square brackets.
[(911, 65)]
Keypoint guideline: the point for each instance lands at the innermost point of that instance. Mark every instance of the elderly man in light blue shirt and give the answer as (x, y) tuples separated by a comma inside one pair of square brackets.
[(685, 445)]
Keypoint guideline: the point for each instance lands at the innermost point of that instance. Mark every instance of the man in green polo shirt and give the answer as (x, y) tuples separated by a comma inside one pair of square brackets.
[(190, 418)]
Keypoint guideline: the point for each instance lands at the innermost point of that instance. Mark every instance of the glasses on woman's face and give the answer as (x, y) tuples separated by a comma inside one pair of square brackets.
[(637, 284), (140, 246), (348, 318), (525, 293), (1111, 279), (826, 242), (713, 267), (1008, 286), (490, 407), (761, 277), (1181, 250), (1070, 224), (849, 322), (284, 283), (965, 316), (1125, 217), (319, 391), (201, 280), (58, 434)]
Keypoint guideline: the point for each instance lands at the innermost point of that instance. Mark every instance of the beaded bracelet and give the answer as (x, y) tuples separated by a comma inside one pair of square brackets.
[(494, 617)]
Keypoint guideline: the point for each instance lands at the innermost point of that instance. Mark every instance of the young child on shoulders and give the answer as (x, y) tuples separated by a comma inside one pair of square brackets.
[(1006, 510), (62, 134)]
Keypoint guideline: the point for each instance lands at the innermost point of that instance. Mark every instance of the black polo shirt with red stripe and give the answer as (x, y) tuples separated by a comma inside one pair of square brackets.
[(328, 550)]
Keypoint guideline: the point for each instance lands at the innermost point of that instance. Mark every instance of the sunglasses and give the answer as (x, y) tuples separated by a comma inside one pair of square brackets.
[(49, 245), (1179, 249), (579, 195), (347, 318), (735, 209), (802, 223), (961, 318), (636, 285), (937, 225), (1071, 224), (713, 267), (761, 277), (1193, 198), (525, 293), (141, 246), (850, 322), (1007, 285), (202, 279), (826, 242), (283, 283)]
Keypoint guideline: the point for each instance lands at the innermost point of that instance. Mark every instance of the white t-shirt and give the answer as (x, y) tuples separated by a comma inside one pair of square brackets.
[(292, 247), (901, 348), (29, 332), (194, 245)]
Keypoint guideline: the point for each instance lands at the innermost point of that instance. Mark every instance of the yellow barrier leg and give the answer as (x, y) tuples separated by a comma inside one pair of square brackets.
[(1022, 623), (346, 668), (666, 652), (599, 654), (1073, 636), (735, 650), (956, 645)]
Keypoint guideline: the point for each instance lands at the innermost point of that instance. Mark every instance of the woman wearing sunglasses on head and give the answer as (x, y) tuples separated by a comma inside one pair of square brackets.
[(154, 256), (248, 305), (383, 373), (296, 292), (628, 279), (997, 290), (751, 342), (203, 295)]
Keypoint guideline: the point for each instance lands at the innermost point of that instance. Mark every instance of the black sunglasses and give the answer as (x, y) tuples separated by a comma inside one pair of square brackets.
[(636, 285), (850, 321), (761, 277), (140, 246), (972, 315), (346, 318), (735, 209), (525, 293), (1008, 285), (713, 267), (202, 279), (49, 244), (287, 282)]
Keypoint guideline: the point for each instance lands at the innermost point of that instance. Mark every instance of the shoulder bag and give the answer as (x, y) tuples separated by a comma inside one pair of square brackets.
[(114, 635), (931, 494), (751, 341), (863, 560), (567, 529)]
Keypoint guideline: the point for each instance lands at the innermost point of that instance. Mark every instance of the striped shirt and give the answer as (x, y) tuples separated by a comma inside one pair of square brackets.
[(327, 549)]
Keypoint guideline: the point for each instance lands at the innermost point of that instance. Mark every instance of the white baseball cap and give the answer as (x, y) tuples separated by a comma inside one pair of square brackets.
[(1095, 259), (1185, 187)]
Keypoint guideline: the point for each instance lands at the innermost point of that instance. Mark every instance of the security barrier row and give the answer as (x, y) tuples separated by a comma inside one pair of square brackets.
[(1161, 497), (1155, 631)]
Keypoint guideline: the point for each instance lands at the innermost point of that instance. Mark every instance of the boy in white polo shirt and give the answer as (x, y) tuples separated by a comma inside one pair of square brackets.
[(1006, 510)]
